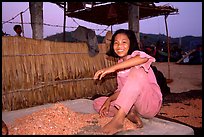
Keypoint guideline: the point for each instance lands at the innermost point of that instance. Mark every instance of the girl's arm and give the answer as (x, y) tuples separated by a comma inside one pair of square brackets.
[(134, 61), (114, 96), (106, 106)]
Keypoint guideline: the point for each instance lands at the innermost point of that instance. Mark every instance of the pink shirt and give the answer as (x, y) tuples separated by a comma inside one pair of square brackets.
[(138, 90), (122, 75), (141, 90)]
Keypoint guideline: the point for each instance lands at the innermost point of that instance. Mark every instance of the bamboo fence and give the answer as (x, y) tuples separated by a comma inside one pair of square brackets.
[(36, 72)]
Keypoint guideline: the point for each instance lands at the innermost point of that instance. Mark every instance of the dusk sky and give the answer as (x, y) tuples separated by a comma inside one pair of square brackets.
[(187, 22)]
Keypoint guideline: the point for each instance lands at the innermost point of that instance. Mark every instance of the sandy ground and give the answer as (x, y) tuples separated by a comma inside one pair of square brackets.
[(185, 77), (184, 108), (184, 104)]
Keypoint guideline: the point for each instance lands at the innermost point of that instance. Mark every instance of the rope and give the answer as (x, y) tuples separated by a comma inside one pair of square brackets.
[(46, 24), (45, 54), (44, 84), (104, 30), (15, 16), (93, 29), (75, 21), (9, 21), (43, 24)]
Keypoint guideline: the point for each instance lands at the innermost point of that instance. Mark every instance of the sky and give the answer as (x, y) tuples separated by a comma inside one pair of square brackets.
[(187, 22)]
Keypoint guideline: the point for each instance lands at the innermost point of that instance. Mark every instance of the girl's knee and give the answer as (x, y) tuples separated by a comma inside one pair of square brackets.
[(136, 73)]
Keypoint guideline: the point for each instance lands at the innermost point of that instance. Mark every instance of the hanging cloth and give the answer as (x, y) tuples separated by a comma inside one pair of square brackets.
[(84, 34)]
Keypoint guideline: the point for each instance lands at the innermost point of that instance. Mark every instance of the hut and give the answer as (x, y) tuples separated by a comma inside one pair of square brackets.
[(35, 72)]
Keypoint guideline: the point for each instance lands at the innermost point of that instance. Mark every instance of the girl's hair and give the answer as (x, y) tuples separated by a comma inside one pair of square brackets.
[(133, 42)]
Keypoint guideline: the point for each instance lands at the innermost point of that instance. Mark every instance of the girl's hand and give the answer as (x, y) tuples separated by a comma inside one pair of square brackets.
[(104, 109), (103, 72)]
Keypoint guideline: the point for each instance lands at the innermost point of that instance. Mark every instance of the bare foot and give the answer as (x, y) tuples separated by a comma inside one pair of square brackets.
[(116, 123), (135, 119), (111, 128)]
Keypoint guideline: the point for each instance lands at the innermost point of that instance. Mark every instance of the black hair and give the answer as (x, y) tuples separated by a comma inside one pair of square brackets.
[(16, 26), (133, 42)]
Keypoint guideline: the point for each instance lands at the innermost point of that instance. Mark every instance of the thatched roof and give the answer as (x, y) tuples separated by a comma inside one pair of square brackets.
[(111, 13)]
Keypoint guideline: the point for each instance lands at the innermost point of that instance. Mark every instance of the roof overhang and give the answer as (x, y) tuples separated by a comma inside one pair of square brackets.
[(112, 13)]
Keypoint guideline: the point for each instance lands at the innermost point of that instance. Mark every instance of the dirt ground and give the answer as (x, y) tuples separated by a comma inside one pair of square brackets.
[(185, 77), (184, 104), (184, 108)]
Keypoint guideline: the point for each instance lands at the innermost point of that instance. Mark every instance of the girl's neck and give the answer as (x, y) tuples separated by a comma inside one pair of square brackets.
[(124, 58)]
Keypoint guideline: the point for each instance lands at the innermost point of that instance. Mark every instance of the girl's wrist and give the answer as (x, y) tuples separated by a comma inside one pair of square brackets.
[(108, 99)]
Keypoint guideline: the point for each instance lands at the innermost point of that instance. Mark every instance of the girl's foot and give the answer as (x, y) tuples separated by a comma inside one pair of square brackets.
[(133, 117), (116, 123), (111, 128)]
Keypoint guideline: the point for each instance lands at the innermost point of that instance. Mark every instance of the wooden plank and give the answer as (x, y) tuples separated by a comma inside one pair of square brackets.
[(186, 56)]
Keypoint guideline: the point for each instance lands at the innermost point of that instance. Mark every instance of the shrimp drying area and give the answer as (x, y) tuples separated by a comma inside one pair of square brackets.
[(84, 107), (47, 86)]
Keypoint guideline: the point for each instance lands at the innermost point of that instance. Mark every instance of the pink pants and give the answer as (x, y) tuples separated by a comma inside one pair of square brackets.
[(137, 93)]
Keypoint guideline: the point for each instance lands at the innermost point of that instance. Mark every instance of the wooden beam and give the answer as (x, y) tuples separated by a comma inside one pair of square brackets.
[(133, 20), (22, 23), (64, 32), (36, 12), (189, 53), (167, 35)]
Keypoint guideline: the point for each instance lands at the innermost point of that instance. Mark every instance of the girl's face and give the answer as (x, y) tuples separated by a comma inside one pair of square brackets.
[(121, 45)]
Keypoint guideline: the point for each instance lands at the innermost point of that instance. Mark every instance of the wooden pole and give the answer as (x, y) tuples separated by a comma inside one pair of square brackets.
[(22, 23), (64, 32), (189, 53), (168, 78), (133, 20), (36, 12)]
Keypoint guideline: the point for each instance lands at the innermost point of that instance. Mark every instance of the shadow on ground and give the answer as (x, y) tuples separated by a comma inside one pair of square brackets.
[(178, 98)]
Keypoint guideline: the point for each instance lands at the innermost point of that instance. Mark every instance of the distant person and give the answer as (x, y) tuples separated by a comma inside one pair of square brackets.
[(3, 34), (18, 30)]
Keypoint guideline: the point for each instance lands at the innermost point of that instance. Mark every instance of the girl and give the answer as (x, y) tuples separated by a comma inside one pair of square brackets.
[(138, 94)]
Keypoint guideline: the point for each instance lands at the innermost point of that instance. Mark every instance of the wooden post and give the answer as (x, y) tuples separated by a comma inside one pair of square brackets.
[(168, 78), (64, 32), (22, 23), (133, 20), (36, 12)]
